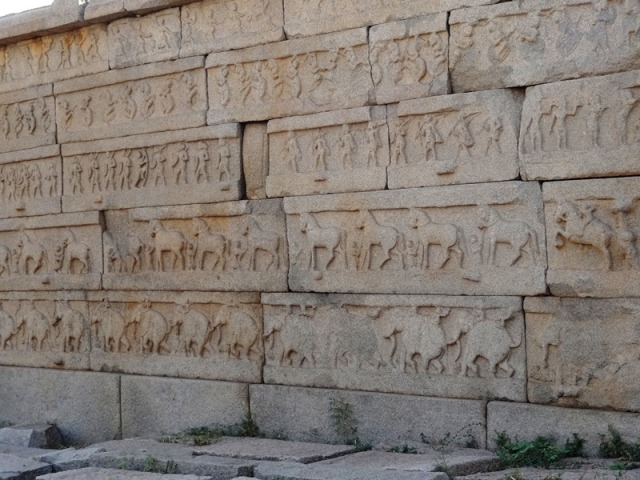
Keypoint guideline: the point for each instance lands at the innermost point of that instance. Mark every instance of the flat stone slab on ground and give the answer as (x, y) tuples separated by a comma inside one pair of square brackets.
[(94, 473), (453, 462), (13, 467), (24, 452), (69, 458), (273, 450), (530, 473), (295, 471), (34, 435)]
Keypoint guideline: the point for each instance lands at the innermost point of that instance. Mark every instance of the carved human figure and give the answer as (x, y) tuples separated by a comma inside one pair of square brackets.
[(110, 173), (202, 159), (109, 112), (320, 152), (142, 162), (179, 164), (124, 175), (94, 173), (224, 160), (627, 100), (148, 100), (85, 111), (430, 137), (129, 105), (377, 71), (257, 82), (192, 89), (29, 119), (500, 34), (595, 109), (293, 152), (463, 136), (347, 146), (43, 113), (244, 82), (293, 78), (605, 16), (372, 143), (35, 181), (493, 128), (222, 82), (533, 127), (462, 42), (4, 120), (166, 99), (157, 165), (399, 142), (275, 84), (561, 108), (51, 179), (76, 177), (5, 261)]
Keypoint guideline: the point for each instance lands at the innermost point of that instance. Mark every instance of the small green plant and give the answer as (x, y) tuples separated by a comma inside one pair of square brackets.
[(343, 420), (208, 435), (613, 446), (152, 464), (541, 452), (515, 475), (403, 449), (443, 466)]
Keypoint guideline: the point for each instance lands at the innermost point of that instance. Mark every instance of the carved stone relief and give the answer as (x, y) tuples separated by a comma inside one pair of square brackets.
[(27, 119), (234, 246), (165, 96), (53, 57), (424, 345), (340, 151), (539, 41), (409, 59), (30, 182), (181, 167), (289, 78), (310, 17), (471, 239), (54, 252), (215, 336), (582, 128), (218, 25), (150, 38), (465, 138), (44, 330), (583, 352), (593, 227)]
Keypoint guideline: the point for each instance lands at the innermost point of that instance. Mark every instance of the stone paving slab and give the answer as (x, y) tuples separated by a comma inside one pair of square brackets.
[(35, 436), (17, 468), (24, 452), (295, 471), (69, 458), (529, 473), (116, 474), (273, 450)]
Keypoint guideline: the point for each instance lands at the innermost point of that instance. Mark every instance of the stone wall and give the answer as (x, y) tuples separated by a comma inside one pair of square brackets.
[(427, 210)]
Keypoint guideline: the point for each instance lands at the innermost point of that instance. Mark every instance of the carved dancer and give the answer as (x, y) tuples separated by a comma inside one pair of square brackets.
[(493, 127), (294, 154), (399, 142), (222, 82), (202, 159), (179, 164), (430, 137), (142, 161), (157, 164)]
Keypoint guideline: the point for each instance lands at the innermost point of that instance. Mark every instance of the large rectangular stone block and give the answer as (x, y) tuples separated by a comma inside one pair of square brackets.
[(30, 182), (581, 128), (53, 252), (234, 246), (154, 406), (592, 234), (219, 25), (464, 138), (460, 347), (144, 99), (150, 38), (44, 329), (27, 119), (303, 17), (294, 77), (176, 167), (409, 58), (306, 414), (52, 58), (483, 239), (526, 421), (340, 151), (541, 41), (583, 352), (84, 405), (215, 336), (255, 159)]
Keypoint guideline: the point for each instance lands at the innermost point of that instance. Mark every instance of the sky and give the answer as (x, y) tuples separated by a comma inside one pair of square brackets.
[(12, 6)]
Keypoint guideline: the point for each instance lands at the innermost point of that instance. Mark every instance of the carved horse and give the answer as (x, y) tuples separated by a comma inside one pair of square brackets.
[(70, 323), (580, 226), (261, 240), (514, 233), (74, 250), (374, 234), (28, 250), (208, 242), (450, 237), (167, 241), (329, 238)]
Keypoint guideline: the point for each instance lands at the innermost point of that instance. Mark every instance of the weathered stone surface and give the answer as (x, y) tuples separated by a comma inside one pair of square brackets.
[(217, 336), (425, 345), (483, 239), (588, 473), (583, 352), (218, 25), (295, 471), (310, 18), (149, 98), (150, 38), (35, 436), (455, 461), (332, 152), (95, 473), (153, 406), (581, 128), (142, 7), (255, 159), (527, 421), (105, 10), (592, 233), (54, 252), (464, 138), (132, 454), (409, 58), (289, 78), (53, 58), (24, 452), (273, 450), (84, 406), (60, 15), (69, 458), (176, 167), (233, 246), (31, 182), (26, 119), (18, 468), (541, 41), (305, 414)]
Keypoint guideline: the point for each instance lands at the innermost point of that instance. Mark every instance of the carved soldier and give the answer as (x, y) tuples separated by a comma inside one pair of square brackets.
[(29, 119), (202, 160), (76, 177), (179, 164), (320, 152), (372, 141), (294, 155), (293, 78), (626, 102), (595, 109), (35, 181), (43, 113), (142, 161), (430, 137), (605, 15), (561, 109), (51, 177), (493, 127), (110, 174), (399, 142), (463, 135), (158, 159), (462, 42), (94, 173), (125, 170), (129, 104), (274, 80), (222, 80), (347, 144), (258, 82), (67, 113), (165, 95), (224, 159)]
